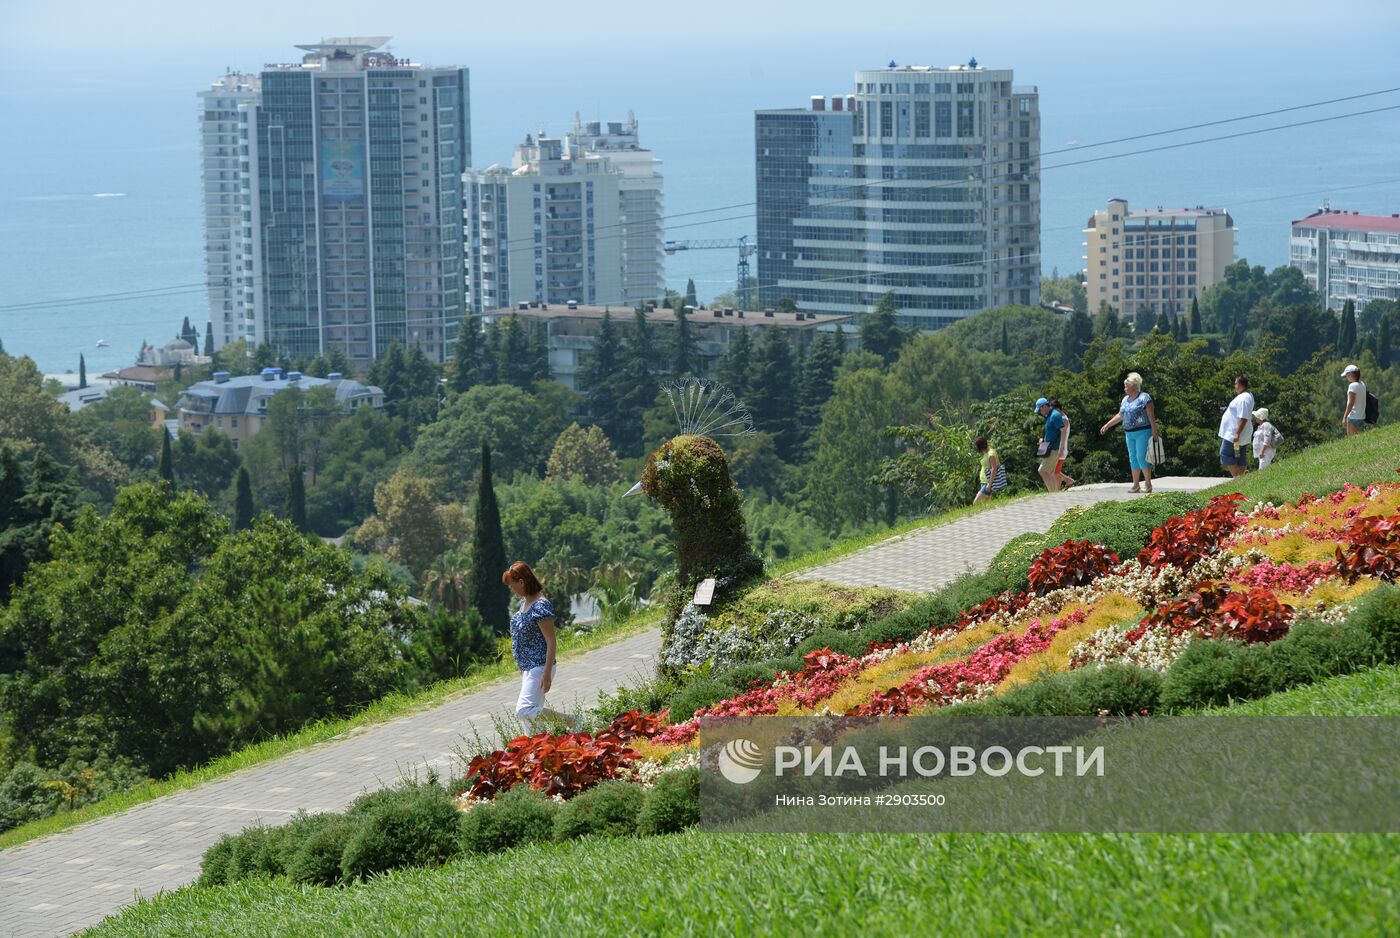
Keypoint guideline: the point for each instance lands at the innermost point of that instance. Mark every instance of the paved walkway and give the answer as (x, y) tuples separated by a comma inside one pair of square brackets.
[(924, 560), (68, 881)]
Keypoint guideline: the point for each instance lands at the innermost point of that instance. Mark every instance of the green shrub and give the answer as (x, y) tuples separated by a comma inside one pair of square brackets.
[(1120, 689), (519, 816), (314, 846), (1122, 527), (648, 697), (417, 827), (672, 805), (213, 866), (846, 643), (702, 692), (1378, 612), (254, 852), (739, 677), (1213, 673), (1312, 651), (609, 810), (24, 796)]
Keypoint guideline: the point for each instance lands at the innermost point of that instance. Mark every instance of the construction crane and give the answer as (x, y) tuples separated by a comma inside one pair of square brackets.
[(745, 246)]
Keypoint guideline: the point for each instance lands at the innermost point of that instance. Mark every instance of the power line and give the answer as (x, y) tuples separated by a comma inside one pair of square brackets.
[(179, 289)]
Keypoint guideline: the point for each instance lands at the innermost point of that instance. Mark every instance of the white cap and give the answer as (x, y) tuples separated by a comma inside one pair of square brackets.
[(1349, 369)]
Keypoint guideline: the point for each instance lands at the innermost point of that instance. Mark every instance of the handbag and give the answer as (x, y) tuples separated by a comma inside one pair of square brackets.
[(1043, 448), (1156, 452)]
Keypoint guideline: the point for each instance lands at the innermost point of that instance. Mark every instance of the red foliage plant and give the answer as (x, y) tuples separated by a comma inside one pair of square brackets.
[(1372, 549), (561, 764), (1073, 563), (1187, 539), (1214, 611)]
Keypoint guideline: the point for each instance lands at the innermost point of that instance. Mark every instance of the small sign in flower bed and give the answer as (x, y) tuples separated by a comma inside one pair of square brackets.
[(1218, 573)]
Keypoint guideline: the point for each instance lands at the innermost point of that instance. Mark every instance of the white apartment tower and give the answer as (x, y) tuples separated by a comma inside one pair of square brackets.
[(576, 218), (231, 265), (924, 183), (1348, 256), (347, 202)]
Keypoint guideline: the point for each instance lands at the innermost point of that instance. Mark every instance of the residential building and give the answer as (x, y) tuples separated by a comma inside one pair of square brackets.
[(576, 218), (349, 198), (176, 351), (572, 330), (238, 406), (1154, 260), (1348, 256), (135, 376), (232, 267), (924, 183), (79, 398)]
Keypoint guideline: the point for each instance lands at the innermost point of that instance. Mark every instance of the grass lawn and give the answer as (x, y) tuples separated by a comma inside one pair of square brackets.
[(703, 884), (1372, 456), (382, 710)]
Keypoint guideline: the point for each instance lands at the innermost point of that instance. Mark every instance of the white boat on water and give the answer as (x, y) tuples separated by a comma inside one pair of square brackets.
[(101, 343)]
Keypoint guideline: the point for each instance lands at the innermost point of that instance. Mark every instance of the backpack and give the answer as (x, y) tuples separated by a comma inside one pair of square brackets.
[(1373, 408)]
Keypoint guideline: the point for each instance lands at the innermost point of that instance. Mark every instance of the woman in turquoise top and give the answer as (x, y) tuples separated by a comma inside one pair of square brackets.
[(1139, 419)]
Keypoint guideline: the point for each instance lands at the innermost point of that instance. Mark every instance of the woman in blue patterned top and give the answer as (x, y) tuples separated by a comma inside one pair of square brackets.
[(1139, 419), (532, 641)]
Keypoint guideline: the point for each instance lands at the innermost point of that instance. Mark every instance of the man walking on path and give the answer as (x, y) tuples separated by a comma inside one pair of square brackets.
[(1051, 441), (1236, 428), (1354, 417)]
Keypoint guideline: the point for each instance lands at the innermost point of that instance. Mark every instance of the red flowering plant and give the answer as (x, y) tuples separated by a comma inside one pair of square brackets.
[(1009, 603), (1254, 616), (1287, 577), (1186, 540), (564, 764), (1073, 563), (1194, 612), (1372, 549)]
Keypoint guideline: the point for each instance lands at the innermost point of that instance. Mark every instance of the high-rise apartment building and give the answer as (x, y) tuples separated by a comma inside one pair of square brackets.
[(576, 218), (924, 183), (350, 196), (1348, 256), (1154, 260), (231, 266)]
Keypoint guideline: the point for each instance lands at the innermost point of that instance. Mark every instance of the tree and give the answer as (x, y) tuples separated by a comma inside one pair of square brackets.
[(1346, 331), (851, 444), (879, 332), (1164, 323), (1005, 339), (1079, 332), (1066, 291), (485, 591), (598, 381), (167, 464), (938, 466), (491, 354), (584, 455), (1385, 342), (32, 503), (1196, 316), (818, 380), (447, 644), (690, 297), (1108, 325), (295, 509), (464, 371), (205, 463), (539, 351), (637, 388), (243, 508), (82, 371), (179, 373), (735, 369), (410, 524), (774, 392), (684, 362), (209, 338), (517, 365)]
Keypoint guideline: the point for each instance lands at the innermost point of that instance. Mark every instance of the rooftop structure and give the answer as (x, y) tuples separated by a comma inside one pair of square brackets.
[(237, 406), (1348, 256)]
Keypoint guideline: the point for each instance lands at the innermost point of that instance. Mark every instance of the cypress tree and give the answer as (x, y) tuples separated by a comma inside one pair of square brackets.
[(599, 376), (1346, 331), (491, 354), (464, 373), (209, 338), (818, 382), (296, 498), (82, 371), (774, 392), (734, 368), (1384, 340), (690, 299), (1196, 316), (243, 508), (1164, 324), (1233, 339), (1005, 339), (1078, 333), (539, 351), (683, 360), (636, 389), (167, 463), (485, 591), (185, 329), (179, 372), (516, 366), (879, 332)]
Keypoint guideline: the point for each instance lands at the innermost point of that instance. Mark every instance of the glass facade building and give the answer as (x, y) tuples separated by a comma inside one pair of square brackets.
[(356, 162), (932, 194)]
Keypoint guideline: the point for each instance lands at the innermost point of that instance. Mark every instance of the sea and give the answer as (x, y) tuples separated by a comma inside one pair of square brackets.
[(99, 162)]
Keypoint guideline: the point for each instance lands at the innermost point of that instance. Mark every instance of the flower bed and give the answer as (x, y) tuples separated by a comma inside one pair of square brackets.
[(1213, 574)]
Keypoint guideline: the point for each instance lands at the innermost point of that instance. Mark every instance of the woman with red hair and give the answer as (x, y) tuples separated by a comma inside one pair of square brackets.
[(532, 641)]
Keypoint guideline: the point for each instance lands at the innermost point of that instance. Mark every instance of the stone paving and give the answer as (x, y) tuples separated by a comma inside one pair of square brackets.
[(68, 881), (927, 559)]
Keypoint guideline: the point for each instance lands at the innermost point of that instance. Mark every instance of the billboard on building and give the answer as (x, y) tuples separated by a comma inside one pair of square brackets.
[(342, 170)]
